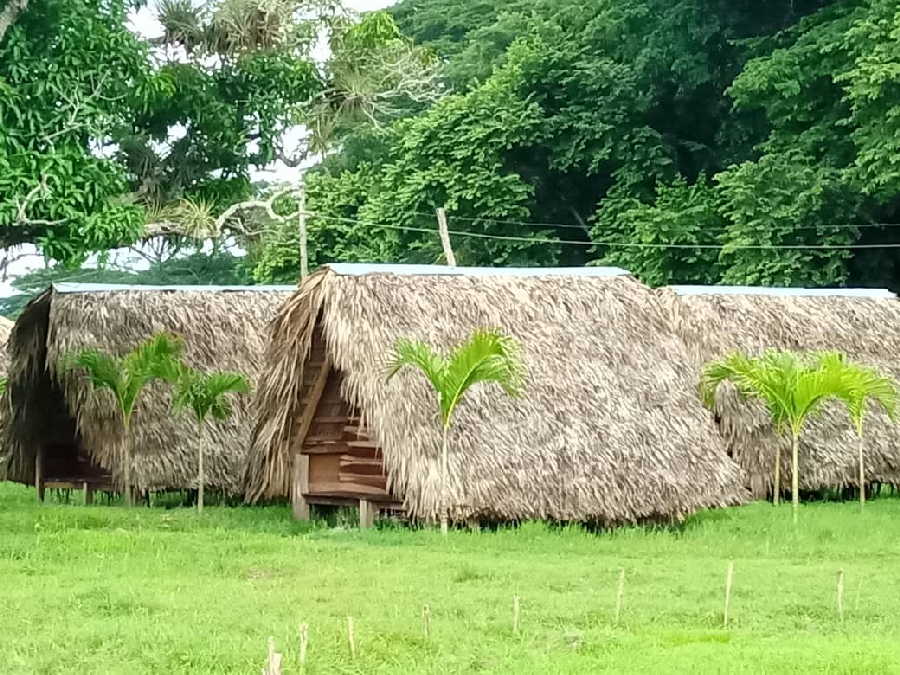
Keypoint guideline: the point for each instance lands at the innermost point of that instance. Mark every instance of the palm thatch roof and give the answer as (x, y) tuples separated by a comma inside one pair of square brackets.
[(223, 328), (864, 324), (5, 329), (608, 428)]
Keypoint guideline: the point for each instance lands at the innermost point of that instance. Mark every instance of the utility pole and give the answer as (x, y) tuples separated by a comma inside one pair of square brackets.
[(304, 257)]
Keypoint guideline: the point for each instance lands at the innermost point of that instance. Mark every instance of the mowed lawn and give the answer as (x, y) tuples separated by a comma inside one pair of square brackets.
[(104, 589)]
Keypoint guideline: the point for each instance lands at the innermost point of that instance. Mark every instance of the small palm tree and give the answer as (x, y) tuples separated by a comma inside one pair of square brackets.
[(205, 395), (863, 385), (793, 388), (487, 356), (125, 377)]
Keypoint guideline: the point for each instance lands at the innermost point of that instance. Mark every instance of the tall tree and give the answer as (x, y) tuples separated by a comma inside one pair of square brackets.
[(71, 74), (487, 356)]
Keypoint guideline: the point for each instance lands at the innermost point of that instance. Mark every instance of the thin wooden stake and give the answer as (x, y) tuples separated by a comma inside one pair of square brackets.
[(445, 237), (351, 637), (304, 644), (426, 621), (516, 612), (620, 594), (840, 594), (729, 579), (273, 662)]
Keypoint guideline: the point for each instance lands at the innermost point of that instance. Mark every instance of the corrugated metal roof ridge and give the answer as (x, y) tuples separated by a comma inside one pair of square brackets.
[(784, 292), (361, 269), (104, 288)]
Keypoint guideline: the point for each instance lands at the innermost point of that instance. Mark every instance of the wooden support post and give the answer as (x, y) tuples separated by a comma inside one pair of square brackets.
[(445, 237), (367, 512), (300, 487), (39, 474), (88, 494)]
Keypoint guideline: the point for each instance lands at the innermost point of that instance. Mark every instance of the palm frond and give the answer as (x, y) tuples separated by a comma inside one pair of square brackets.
[(418, 354), (487, 356), (102, 370), (862, 385), (205, 394)]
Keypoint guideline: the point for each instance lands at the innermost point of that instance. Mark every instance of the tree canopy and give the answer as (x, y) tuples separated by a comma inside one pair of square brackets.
[(701, 141), (748, 134)]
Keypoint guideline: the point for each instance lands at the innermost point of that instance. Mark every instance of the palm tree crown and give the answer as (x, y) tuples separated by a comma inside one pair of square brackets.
[(487, 356)]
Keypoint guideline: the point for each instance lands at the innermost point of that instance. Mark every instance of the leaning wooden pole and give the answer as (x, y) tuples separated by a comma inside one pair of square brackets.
[(445, 237)]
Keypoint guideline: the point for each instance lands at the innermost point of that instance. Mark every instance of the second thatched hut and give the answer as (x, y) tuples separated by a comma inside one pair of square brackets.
[(61, 433), (608, 429), (864, 324)]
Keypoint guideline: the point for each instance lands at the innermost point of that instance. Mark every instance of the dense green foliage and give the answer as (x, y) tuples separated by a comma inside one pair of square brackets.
[(735, 126), (167, 591), (729, 129), (70, 74), (218, 267)]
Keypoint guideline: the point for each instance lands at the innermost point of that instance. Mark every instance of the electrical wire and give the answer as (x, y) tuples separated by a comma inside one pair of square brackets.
[(612, 244)]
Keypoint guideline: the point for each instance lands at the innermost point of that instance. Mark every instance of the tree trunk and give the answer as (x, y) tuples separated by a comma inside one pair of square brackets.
[(862, 475), (10, 13), (200, 480), (776, 493), (129, 496), (795, 474), (445, 515)]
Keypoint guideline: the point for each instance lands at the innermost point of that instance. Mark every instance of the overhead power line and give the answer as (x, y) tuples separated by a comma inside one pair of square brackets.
[(723, 228), (621, 244)]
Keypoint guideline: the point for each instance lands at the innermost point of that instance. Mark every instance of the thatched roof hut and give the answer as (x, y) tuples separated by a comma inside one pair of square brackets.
[(75, 430), (864, 324), (608, 429)]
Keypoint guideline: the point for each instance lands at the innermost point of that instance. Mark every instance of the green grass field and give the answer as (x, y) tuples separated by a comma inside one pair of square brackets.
[(109, 590)]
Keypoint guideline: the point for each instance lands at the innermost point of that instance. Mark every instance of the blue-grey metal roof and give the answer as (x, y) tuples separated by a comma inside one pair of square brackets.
[(361, 269), (787, 292), (103, 288)]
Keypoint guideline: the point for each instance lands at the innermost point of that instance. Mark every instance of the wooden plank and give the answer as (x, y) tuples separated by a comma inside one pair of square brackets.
[(299, 487), (347, 488), (320, 440), (368, 510), (88, 494), (39, 474), (372, 445), (348, 500), (312, 401)]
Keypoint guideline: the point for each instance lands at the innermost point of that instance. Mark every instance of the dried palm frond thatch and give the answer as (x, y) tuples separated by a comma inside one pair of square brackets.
[(6, 327), (607, 429), (222, 329), (864, 325)]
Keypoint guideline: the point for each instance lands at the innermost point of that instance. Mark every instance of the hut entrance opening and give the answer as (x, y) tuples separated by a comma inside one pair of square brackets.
[(336, 461), (61, 460), (52, 452)]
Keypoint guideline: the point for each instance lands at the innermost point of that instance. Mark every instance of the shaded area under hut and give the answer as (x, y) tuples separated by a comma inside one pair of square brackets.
[(61, 433), (609, 429), (863, 324)]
